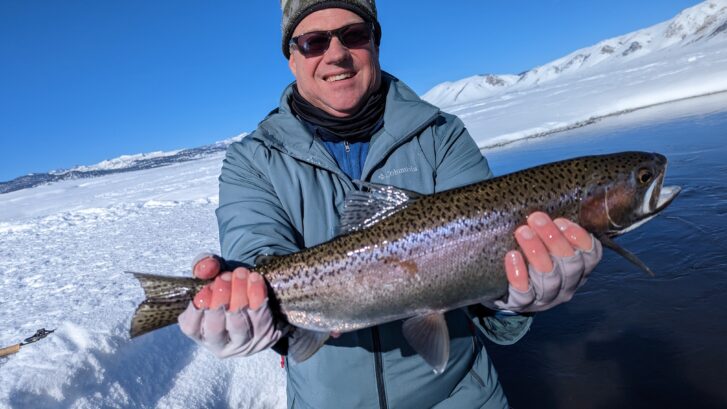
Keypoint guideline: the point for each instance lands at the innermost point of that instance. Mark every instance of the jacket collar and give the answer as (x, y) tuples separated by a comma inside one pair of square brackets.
[(405, 115)]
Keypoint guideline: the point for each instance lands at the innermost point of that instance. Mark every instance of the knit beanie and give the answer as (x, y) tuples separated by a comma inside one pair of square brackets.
[(296, 10)]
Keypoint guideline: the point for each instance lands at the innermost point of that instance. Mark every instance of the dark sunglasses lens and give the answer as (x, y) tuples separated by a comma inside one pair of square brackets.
[(313, 43), (316, 43), (356, 35)]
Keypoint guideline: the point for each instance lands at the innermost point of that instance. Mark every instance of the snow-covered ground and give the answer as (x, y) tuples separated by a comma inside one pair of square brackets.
[(63, 251), (64, 246)]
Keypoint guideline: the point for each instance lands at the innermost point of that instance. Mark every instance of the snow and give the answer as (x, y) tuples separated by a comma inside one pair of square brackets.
[(681, 58), (63, 251), (124, 161), (167, 186), (64, 246), (128, 161)]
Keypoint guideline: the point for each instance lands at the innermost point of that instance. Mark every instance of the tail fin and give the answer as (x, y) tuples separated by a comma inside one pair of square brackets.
[(166, 298)]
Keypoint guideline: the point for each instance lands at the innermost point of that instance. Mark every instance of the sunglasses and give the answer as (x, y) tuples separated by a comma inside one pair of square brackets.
[(316, 43)]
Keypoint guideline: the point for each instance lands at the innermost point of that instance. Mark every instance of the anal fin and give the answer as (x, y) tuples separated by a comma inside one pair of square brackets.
[(304, 343), (429, 336)]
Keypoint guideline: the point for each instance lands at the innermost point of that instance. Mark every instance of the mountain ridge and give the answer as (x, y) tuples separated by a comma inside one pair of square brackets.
[(124, 163), (699, 23)]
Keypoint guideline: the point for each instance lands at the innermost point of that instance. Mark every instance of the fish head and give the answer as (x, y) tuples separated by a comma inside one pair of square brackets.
[(625, 190)]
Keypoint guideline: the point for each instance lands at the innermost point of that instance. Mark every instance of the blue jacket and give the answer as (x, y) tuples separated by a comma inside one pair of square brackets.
[(281, 191)]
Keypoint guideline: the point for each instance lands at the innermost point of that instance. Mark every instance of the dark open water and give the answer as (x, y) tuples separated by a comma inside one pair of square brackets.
[(627, 340)]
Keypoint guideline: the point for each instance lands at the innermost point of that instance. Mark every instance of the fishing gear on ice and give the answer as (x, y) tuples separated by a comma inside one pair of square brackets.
[(40, 334)]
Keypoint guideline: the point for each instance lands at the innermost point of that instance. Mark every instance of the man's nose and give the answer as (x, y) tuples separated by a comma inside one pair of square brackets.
[(336, 51)]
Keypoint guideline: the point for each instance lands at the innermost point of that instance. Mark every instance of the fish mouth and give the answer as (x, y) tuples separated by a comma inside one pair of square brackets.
[(666, 195), (658, 196)]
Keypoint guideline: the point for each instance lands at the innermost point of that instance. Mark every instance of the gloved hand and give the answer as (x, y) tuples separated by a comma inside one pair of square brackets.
[(230, 317), (560, 256)]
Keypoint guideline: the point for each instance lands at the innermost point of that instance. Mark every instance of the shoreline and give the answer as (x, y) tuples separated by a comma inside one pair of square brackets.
[(590, 121)]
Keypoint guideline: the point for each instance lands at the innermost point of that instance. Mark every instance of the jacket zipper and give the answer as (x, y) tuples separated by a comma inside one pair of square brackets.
[(310, 160), (347, 162), (401, 141), (379, 367)]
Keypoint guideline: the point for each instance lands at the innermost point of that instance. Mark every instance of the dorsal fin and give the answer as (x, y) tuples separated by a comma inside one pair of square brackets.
[(364, 208)]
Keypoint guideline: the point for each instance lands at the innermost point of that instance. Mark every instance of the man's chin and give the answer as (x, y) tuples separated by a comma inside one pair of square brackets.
[(342, 109)]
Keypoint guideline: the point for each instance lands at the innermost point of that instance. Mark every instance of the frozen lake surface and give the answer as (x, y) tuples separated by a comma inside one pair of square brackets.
[(626, 339)]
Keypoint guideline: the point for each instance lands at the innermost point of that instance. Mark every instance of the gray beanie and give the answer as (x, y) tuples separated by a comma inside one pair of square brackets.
[(296, 10)]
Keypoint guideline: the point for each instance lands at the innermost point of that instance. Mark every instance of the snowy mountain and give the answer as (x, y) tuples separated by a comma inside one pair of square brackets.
[(705, 22), (681, 58), (124, 163)]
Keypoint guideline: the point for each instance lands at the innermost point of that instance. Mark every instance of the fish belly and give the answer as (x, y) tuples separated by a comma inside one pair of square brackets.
[(437, 269)]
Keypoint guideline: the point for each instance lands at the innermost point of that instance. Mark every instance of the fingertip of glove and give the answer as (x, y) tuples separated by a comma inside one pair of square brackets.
[(519, 292), (201, 256), (262, 306), (595, 246), (189, 320), (534, 273), (192, 310)]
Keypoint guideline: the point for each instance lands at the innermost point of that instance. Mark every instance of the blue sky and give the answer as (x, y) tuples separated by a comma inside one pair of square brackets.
[(84, 81)]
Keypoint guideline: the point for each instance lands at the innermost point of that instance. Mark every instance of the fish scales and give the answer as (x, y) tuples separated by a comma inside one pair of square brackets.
[(391, 270)]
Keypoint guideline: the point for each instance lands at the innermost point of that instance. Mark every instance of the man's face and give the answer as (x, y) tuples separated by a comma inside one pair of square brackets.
[(340, 79)]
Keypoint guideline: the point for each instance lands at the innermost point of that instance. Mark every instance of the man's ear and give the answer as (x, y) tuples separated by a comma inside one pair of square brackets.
[(291, 65)]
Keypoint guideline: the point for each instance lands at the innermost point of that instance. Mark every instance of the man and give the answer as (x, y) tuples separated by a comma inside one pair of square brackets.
[(282, 189)]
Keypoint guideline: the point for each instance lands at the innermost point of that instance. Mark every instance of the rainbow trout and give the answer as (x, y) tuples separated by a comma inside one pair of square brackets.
[(401, 255)]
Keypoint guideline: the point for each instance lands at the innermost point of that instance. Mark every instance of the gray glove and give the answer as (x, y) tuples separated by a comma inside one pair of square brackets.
[(226, 333), (555, 287)]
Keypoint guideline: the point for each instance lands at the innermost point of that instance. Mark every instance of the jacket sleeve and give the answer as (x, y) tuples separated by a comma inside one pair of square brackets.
[(458, 162), (250, 217)]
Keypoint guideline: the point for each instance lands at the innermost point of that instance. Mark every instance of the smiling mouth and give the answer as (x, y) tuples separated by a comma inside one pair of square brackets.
[(339, 77)]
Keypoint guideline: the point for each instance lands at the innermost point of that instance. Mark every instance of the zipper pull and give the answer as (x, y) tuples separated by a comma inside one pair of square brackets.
[(347, 146)]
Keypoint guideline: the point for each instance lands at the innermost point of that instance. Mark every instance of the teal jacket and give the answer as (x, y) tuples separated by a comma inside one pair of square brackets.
[(281, 191)]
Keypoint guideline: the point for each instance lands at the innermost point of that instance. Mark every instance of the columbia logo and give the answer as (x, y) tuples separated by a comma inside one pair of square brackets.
[(394, 172)]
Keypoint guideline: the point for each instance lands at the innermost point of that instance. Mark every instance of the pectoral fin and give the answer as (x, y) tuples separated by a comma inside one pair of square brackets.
[(304, 343), (372, 204), (429, 336), (608, 242)]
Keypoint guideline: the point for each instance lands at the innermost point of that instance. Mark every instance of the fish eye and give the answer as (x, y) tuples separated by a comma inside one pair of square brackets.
[(645, 175)]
